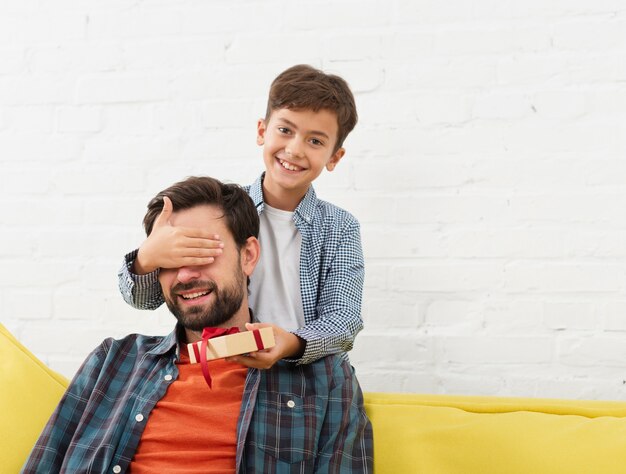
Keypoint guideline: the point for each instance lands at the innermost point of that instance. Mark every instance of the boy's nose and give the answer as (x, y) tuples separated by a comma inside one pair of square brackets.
[(294, 149), (187, 274)]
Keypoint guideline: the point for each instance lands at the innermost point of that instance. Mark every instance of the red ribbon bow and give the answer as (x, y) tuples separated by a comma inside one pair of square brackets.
[(210, 333)]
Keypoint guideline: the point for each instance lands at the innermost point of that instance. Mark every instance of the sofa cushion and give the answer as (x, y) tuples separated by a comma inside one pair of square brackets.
[(460, 435), (30, 392)]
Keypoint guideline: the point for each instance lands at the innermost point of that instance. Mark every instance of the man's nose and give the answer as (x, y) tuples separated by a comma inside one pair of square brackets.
[(187, 274)]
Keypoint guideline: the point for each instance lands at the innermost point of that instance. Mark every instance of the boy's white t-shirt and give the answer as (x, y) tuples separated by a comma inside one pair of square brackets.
[(275, 284)]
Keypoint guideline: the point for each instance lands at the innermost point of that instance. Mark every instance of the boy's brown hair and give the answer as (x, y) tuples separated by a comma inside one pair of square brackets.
[(304, 87)]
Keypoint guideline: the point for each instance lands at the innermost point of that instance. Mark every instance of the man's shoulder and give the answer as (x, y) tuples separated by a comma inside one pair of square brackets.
[(132, 344)]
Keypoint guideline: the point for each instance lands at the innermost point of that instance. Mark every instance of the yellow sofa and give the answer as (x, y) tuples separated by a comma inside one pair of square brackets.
[(428, 434)]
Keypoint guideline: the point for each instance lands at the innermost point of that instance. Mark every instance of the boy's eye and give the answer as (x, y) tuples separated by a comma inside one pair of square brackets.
[(283, 130), (316, 142)]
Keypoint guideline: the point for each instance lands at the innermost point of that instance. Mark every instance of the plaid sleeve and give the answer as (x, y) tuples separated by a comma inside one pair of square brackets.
[(139, 291), (346, 440), (339, 304), (49, 452)]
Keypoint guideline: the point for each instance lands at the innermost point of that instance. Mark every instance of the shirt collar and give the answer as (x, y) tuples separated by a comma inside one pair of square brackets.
[(169, 342)]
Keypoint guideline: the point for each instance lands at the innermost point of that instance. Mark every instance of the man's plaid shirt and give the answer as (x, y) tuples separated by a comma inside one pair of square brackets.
[(293, 418), (331, 275)]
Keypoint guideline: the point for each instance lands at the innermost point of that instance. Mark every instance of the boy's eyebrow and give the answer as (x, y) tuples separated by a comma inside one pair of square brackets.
[(314, 132)]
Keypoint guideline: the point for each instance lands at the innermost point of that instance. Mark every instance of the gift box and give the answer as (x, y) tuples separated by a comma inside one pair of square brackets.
[(233, 344)]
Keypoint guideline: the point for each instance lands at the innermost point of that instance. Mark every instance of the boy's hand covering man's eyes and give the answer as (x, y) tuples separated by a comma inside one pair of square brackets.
[(288, 346), (174, 247)]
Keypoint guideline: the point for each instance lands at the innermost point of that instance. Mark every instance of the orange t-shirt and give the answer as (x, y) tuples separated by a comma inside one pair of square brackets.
[(194, 428)]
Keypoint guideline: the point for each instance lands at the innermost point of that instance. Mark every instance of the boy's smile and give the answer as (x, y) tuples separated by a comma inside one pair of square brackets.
[(297, 146)]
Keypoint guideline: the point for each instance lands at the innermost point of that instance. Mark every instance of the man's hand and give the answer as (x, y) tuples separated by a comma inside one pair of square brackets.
[(288, 346), (174, 247)]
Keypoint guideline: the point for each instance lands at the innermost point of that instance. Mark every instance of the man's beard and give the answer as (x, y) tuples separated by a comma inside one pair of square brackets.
[(226, 302)]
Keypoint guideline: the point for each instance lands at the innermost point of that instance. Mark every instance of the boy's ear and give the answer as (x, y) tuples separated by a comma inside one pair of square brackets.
[(250, 254), (336, 158), (260, 132)]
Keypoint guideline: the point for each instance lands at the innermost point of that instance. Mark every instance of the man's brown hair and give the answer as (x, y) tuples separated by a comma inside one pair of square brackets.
[(304, 87), (240, 214)]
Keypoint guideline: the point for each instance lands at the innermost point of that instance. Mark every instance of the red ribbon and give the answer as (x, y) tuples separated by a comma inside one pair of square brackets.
[(210, 333)]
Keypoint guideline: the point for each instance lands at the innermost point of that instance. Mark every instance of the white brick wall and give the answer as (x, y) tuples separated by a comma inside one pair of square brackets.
[(487, 169)]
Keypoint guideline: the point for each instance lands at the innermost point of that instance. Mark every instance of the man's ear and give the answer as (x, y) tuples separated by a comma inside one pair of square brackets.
[(336, 158), (250, 253), (260, 132)]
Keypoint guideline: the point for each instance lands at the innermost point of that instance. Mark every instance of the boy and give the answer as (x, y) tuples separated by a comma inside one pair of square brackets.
[(309, 281)]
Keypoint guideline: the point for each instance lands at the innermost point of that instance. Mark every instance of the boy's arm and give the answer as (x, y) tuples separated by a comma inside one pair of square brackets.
[(339, 304), (50, 450), (139, 291)]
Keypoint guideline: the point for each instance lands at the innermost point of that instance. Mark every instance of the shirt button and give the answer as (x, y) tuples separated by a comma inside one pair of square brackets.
[(139, 417), (291, 404), (168, 377), (117, 469)]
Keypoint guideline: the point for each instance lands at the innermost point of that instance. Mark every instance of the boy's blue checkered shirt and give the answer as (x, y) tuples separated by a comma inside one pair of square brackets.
[(331, 275), (293, 418)]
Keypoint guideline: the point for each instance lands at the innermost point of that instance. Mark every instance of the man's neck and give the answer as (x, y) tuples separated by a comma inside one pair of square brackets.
[(238, 320)]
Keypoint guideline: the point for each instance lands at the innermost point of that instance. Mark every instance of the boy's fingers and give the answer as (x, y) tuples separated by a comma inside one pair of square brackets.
[(201, 242), (165, 214), (196, 233)]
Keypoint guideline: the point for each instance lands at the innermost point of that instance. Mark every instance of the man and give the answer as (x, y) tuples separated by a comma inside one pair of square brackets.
[(138, 405)]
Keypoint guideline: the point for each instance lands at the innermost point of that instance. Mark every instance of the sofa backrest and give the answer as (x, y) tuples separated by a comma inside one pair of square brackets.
[(29, 392), (432, 434)]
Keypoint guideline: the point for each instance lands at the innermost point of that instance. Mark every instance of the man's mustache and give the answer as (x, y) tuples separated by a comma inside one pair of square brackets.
[(196, 284)]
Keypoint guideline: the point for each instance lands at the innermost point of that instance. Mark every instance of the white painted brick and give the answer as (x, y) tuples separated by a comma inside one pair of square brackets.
[(66, 26), (12, 184), (121, 87), (174, 53), (592, 351), (451, 209), (447, 277), (383, 243), (28, 304), (13, 59), (122, 119), (395, 312), (582, 35), (34, 119), (36, 89), (501, 106), (393, 349), (513, 316), (73, 301), (460, 384), (570, 315), (614, 315), (30, 147), (460, 314), (341, 47), (38, 213), (134, 22), (560, 104), (496, 350), (79, 119), (65, 57), (564, 277)]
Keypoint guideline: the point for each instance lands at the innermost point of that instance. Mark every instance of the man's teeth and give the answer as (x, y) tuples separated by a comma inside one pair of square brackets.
[(190, 296), (289, 166)]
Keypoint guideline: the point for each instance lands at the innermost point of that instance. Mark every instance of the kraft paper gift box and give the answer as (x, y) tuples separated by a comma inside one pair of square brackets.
[(233, 344)]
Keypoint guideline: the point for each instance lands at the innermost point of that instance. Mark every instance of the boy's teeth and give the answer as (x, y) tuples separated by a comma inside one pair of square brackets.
[(289, 166), (194, 295)]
